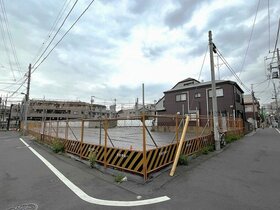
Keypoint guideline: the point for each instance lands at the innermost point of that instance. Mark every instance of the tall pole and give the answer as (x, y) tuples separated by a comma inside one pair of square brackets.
[(27, 99), (5, 107), (143, 96), (9, 119), (214, 96), (28, 82), (254, 112), (277, 109)]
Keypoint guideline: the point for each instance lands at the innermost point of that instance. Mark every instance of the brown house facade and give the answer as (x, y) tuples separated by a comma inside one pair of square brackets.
[(191, 96)]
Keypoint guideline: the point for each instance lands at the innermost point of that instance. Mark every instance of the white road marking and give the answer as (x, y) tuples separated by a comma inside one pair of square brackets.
[(80, 193), (277, 130)]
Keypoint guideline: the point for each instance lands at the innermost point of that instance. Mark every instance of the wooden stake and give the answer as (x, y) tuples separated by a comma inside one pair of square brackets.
[(179, 147)]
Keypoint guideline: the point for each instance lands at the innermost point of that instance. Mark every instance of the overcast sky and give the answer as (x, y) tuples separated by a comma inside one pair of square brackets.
[(119, 44)]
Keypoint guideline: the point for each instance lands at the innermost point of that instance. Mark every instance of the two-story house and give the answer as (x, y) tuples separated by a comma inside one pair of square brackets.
[(190, 96), (250, 108)]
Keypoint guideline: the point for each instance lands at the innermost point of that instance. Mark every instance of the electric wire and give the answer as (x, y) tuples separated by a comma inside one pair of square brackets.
[(35, 68), (14, 52), (268, 19), (276, 42), (16, 83), (54, 25), (42, 54), (17, 90), (4, 40), (251, 34), (259, 83), (201, 68), (231, 70)]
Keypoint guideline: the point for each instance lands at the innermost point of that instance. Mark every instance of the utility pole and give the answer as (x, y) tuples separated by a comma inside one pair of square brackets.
[(214, 96), (277, 109), (27, 99), (278, 58), (28, 82), (276, 98), (5, 107), (9, 119), (143, 96), (254, 113)]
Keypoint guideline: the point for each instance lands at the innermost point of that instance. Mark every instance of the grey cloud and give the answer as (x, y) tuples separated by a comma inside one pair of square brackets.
[(153, 52), (138, 7), (39, 14), (182, 14)]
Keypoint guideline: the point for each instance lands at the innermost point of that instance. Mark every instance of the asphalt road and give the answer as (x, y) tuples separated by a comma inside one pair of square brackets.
[(245, 175)]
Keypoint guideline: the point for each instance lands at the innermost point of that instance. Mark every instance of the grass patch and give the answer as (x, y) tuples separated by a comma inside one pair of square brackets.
[(92, 158), (207, 149), (232, 137), (57, 146), (119, 178), (183, 160)]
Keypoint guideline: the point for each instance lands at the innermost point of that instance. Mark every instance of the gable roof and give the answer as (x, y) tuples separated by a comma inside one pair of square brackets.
[(186, 80), (199, 84)]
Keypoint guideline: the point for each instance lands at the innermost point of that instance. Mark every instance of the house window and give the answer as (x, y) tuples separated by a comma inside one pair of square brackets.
[(189, 83), (181, 97), (249, 109), (197, 95), (219, 92), (237, 97)]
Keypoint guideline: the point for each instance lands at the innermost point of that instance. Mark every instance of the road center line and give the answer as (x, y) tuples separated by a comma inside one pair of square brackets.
[(81, 194)]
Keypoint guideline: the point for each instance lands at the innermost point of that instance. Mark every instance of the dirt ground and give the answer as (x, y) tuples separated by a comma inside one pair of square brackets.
[(122, 137)]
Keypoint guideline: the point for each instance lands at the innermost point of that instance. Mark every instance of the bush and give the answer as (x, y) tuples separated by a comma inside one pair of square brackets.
[(231, 138), (207, 149), (119, 178), (183, 160), (57, 146), (204, 150), (92, 158), (211, 148)]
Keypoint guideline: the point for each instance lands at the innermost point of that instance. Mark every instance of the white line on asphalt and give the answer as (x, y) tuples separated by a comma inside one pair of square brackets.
[(277, 130), (80, 193)]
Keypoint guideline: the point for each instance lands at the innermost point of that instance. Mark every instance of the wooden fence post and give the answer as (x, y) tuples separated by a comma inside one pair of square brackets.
[(105, 124), (177, 128), (57, 125), (50, 122), (66, 129), (144, 148), (82, 138)]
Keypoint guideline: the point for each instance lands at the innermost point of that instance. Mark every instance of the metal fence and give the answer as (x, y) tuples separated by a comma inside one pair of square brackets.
[(141, 144)]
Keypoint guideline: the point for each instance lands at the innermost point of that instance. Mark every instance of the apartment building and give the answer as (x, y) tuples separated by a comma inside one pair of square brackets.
[(62, 110)]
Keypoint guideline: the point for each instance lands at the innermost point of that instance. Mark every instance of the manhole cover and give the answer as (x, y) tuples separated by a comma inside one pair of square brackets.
[(26, 206)]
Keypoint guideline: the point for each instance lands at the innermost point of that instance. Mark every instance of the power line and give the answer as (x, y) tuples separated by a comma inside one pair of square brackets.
[(203, 63), (59, 16), (251, 34), (259, 83), (268, 19), (63, 36), (10, 36), (231, 70), (56, 33), (276, 42), (206, 51), (16, 83), (4, 40), (17, 90)]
